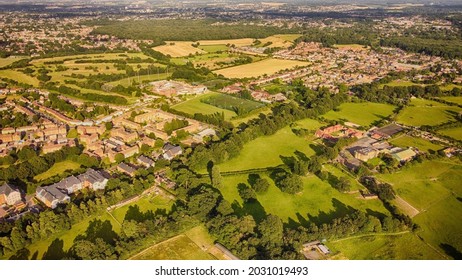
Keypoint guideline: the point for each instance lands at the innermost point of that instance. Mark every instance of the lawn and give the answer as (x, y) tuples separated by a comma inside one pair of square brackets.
[(213, 48), (427, 112), (186, 246), (319, 202), (355, 185), (455, 132), (178, 48), (267, 66), (384, 247), (232, 103), (406, 141), (19, 77), (101, 56), (195, 105), (279, 40), (363, 114), (142, 78), (400, 83), (57, 169), (268, 151), (145, 204), (236, 42)]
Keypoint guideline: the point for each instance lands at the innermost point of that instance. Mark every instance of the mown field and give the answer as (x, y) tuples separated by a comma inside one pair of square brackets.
[(434, 188), (148, 203), (19, 77), (279, 40), (260, 68), (269, 151), (426, 112), (319, 202), (194, 105), (406, 141), (363, 114), (8, 60), (405, 246), (57, 169), (228, 102), (194, 244)]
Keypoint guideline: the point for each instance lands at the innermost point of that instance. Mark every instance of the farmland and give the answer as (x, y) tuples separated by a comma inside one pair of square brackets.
[(268, 151), (260, 68), (178, 49), (364, 114), (426, 112)]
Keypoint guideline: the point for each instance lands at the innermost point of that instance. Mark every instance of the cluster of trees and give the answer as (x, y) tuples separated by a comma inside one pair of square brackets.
[(175, 124), (383, 190), (16, 119), (114, 99), (446, 48)]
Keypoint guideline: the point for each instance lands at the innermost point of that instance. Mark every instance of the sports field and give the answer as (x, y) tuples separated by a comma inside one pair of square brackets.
[(194, 105), (178, 48), (260, 68), (363, 114), (406, 246), (427, 112), (269, 151), (194, 244), (406, 141)]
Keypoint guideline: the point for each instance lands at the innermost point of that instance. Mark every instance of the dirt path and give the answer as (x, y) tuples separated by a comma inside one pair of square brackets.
[(406, 207)]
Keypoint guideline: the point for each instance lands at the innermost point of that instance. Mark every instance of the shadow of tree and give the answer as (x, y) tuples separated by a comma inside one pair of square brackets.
[(451, 251), (253, 208), (34, 256), (301, 155), (99, 229), (253, 178), (289, 161), (55, 251), (340, 210), (22, 254)]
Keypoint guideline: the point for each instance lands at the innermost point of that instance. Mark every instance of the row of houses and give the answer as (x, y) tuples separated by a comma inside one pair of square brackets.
[(58, 193)]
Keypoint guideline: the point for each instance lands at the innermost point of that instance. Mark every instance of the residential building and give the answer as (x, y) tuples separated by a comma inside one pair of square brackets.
[(9, 194), (170, 151), (144, 160), (51, 196), (127, 169)]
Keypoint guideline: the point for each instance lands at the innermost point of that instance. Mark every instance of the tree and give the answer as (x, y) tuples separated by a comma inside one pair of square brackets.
[(119, 157), (108, 125), (215, 176), (261, 185), (343, 184), (292, 184), (246, 193), (271, 230)]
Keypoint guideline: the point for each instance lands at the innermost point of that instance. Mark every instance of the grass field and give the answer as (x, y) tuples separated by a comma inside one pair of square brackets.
[(143, 79), (104, 56), (384, 247), (405, 141), (145, 204), (260, 68), (178, 48), (236, 42), (455, 99), (195, 105), (266, 151), (363, 114), (434, 188), (233, 103), (191, 245), (319, 202), (279, 40), (455, 132), (427, 112), (351, 47), (57, 168), (19, 77), (355, 185), (213, 48), (7, 61)]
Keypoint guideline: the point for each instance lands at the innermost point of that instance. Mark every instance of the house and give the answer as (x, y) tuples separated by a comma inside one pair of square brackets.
[(130, 151), (204, 133), (9, 194), (147, 162), (127, 169), (404, 155), (366, 154), (88, 139), (93, 179), (69, 185), (126, 136), (170, 151), (51, 196)]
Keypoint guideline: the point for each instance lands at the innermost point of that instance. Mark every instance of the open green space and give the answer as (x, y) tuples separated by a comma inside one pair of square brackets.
[(147, 203), (406, 141), (455, 132), (384, 247), (319, 202), (186, 246), (427, 112), (213, 48), (126, 82), (8, 60), (57, 169), (195, 105), (225, 101), (363, 114), (19, 77), (337, 172), (268, 151), (455, 99)]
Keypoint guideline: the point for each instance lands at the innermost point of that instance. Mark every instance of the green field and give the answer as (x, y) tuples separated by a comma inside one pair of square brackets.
[(266, 151), (213, 48), (455, 132), (145, 204), (433, 187), (383, 247), (455, 99), (319, 202), (57, 169), (186, 246), (355, 185), (427, 112), (232, 103), (406, 141), (140, 79), (8, 60), (363, 114), (19, 77), (195, 105)]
